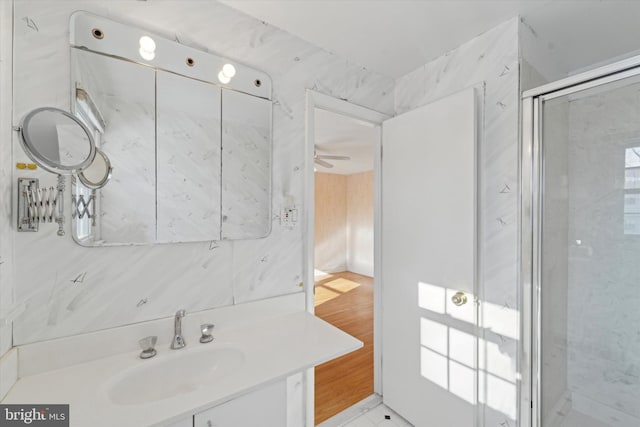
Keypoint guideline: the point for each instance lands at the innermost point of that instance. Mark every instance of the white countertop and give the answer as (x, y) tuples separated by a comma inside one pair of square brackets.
[(273, 349)]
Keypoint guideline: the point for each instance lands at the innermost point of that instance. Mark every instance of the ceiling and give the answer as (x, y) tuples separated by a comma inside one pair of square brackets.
[(394, 37), (340, 135)]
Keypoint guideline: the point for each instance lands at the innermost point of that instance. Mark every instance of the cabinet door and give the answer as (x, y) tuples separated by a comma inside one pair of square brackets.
[(266, 407), (246, 166), (123, 95), (188, 159)]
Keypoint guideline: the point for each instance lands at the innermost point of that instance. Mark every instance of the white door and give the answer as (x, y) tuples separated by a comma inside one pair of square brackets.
[(429, 345)]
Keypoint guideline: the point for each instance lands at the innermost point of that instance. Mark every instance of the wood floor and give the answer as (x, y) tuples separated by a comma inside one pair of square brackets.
[(346, 301)]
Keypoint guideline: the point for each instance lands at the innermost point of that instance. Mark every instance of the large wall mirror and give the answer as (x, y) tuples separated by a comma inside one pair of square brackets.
[(188, 135)]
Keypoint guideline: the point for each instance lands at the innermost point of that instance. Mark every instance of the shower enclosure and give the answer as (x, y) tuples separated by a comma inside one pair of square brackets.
[(580, 254)]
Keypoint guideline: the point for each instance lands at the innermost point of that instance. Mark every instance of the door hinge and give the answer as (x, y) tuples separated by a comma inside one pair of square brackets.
[(532, 404)]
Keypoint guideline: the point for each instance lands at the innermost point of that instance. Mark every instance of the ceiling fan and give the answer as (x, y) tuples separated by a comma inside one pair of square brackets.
[(320, 159)]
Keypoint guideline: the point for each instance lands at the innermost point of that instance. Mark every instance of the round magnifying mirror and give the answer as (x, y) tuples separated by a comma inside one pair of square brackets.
[(98, 173), (57, 141)]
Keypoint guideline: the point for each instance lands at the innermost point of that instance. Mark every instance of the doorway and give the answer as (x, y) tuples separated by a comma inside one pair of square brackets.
[(343, 255), (428, 334), (343, 160)]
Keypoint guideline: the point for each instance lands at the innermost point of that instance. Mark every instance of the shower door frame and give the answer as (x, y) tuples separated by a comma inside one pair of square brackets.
[(531, 204)]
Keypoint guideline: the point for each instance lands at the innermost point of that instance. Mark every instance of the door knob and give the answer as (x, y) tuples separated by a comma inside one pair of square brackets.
[(459, 298)]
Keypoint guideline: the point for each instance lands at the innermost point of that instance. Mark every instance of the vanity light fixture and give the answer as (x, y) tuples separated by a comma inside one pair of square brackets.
[(147, 48), (226, 74)]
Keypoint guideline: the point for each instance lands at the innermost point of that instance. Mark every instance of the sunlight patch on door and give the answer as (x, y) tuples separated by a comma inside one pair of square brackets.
[(449, 355), (436, 360), (462, 347), (462, 381), (433, 366), (500, 319)]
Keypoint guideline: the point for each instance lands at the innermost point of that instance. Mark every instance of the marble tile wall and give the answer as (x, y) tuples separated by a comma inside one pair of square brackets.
[(490, 59), (8, 368), (538, 53), (68, 289), (530, 77)]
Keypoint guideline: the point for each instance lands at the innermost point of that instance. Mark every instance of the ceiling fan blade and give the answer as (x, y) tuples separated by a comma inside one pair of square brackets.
[(323, 163), (326, 156)]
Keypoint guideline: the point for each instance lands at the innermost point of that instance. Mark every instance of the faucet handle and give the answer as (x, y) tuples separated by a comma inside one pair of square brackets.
[(147, 345), (206, 330)]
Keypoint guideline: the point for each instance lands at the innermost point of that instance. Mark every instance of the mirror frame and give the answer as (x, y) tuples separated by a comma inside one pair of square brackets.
[(105, 179), (53, 167)]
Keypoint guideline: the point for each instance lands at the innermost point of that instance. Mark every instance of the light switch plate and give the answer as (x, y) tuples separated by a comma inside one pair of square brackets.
[(289, 216)]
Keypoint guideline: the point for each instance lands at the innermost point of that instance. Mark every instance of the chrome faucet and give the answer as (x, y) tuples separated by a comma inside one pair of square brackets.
[(178, 340)]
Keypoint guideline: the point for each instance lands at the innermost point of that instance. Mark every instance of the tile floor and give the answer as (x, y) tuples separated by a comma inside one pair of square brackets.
[(377, 417), (576, 419)]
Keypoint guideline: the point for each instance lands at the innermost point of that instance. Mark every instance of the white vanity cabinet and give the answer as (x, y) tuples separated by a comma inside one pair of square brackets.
[(265, 407)]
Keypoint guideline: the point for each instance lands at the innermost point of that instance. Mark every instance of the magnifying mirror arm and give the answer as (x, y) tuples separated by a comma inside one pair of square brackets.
[(60, 205)]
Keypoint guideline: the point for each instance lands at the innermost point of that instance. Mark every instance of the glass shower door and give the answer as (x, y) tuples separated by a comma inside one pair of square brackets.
[(589, 256)]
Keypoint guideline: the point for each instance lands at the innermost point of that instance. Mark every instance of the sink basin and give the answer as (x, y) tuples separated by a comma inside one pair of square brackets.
[(165, 376)]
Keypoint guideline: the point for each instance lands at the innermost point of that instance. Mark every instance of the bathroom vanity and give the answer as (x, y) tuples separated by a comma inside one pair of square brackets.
[(245, 377)]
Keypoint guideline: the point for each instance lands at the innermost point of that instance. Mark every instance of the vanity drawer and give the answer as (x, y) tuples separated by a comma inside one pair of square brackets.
[(266, 407)]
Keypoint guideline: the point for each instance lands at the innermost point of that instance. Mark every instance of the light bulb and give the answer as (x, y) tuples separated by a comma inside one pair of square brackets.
[(147, 48), (223, 78), (147, 55), (147, 44), (229, 70)]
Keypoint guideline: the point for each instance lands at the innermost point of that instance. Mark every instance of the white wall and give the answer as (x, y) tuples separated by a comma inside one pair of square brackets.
[(330, 245), (360, 223), (491, 58), (344, 223), (118, 280)]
